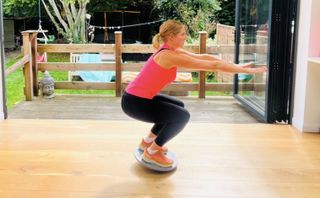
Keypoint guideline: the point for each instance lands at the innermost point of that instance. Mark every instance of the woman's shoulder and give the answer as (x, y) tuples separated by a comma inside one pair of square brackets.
[(166, 58), (166, 54)]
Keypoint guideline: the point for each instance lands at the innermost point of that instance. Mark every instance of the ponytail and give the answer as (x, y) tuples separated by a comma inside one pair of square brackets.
[(156, 41)]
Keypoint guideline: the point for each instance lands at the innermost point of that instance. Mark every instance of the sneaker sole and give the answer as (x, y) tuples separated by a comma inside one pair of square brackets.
[(142, 150), (150, 161), (138, 156)]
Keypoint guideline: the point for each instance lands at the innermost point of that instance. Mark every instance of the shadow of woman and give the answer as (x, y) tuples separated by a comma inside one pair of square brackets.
[(146, 184)]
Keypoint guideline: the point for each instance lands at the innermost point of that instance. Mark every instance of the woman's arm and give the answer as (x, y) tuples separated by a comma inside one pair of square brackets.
[(211, 58), (169, 59), (198, 56)]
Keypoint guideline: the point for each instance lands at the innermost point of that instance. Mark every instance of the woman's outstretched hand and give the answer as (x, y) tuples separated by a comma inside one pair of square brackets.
[(250, 69)]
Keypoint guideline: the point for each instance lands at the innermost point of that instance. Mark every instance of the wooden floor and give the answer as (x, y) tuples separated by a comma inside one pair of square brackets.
[(90, 158), (98, 107)]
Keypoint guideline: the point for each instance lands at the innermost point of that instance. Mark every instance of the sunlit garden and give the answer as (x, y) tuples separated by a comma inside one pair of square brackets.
[(95, 21)]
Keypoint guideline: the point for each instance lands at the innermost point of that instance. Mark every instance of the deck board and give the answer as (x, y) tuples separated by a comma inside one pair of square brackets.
[(211, 109), (94, 158)]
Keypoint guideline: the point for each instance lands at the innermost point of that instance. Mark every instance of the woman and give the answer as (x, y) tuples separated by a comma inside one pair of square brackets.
[(142, 100)]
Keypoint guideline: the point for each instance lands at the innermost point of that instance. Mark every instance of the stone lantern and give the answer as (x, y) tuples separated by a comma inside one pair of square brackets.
[(47, 86)]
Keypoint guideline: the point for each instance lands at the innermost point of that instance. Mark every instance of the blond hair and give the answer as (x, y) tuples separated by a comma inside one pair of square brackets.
[(167, 28)]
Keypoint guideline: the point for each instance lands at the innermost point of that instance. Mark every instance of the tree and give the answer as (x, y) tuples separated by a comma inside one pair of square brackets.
[(20, 8), (197, 14), (68, 16), (110, 5), (226, 15)]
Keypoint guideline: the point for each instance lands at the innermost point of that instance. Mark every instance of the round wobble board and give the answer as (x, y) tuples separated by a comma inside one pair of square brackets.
[(154, 167)]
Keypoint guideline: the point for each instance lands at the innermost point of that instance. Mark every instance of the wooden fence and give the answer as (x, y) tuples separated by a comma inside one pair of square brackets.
[(31, 67)]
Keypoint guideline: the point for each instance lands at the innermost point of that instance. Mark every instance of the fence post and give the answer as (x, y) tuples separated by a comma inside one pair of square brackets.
[(34, 52), (27, 69), (202, 74), (118, 54)]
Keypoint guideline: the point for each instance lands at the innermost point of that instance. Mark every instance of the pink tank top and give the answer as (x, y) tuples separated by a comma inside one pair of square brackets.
[(152, 78)]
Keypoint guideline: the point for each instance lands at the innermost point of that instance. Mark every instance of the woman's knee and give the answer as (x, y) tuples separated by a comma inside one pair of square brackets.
[(181, 104), (185, 116), (178, 102)]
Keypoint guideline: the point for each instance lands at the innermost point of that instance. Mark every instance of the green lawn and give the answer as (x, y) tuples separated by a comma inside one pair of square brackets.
[(15, 81), (63, 76)]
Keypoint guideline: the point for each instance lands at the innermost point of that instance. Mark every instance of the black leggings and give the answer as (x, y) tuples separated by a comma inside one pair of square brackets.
[(167, 113)]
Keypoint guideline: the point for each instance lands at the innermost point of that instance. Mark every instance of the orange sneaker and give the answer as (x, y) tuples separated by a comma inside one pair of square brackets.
[(143, 145), (158, 158)]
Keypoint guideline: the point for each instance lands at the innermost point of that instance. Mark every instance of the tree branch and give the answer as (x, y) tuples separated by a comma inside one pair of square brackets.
[(53, 19), (67, 12), (74, 11), (58, 15)]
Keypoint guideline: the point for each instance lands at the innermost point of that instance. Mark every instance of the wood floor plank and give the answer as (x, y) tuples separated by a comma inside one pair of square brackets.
[(88, 158)]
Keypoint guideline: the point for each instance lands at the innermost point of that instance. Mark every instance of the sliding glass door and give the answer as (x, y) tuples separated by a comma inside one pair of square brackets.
[(264, 35)]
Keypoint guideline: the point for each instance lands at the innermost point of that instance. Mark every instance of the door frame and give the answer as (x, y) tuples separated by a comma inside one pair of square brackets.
[(3, 99), (279, 81)]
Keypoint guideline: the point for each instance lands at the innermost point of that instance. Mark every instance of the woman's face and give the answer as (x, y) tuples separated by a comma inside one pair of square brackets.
[(179, 39)]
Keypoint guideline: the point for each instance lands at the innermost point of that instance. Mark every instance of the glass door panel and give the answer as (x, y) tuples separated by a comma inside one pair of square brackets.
[(265, 35), (253, 44)]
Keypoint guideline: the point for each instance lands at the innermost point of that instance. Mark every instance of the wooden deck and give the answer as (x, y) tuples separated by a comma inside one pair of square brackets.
[(211, 109), (93, 158)]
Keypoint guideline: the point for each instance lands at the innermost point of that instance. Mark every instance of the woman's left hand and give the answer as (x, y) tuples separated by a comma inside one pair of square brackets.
[(251, 69), (246, 65)]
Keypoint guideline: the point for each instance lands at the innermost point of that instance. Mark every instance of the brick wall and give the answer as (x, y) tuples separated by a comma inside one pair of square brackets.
[(225, 35)]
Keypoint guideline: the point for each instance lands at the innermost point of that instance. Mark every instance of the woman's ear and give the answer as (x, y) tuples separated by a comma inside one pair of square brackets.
[(171, 36)]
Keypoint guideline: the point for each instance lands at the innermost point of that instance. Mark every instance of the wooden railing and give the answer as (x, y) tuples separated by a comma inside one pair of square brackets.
[(31, 66), (19, 64)]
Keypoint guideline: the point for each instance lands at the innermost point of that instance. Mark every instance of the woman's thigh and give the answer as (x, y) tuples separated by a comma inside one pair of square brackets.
[(167, 111), (157, 110), (169, 99), (138, 108)]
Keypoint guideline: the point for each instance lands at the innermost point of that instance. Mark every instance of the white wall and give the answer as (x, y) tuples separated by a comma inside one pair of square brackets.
[(314, 47), (306, 112)]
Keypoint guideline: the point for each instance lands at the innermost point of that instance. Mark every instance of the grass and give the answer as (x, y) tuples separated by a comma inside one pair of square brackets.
[(15, 81), (212, 79), (63, 76)]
